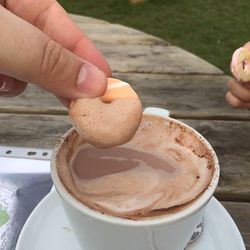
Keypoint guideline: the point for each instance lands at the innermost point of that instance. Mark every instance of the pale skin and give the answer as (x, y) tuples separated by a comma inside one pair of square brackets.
[(238, 94), (40, 44)]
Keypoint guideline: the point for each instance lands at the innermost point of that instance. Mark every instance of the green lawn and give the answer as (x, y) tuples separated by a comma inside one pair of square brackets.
[(210, 29)]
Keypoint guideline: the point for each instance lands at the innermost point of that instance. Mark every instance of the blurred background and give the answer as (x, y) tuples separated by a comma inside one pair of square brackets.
[(211, 29)]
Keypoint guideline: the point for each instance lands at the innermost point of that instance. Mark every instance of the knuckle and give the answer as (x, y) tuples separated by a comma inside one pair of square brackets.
[(236, 103), (230, 83), (232, 100), (53, 60), (244, 94)]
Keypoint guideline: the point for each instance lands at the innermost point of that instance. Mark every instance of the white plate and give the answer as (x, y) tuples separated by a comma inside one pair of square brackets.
[(48, 229)]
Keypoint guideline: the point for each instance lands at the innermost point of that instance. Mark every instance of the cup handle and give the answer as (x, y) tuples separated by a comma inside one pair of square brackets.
[(157, 111)]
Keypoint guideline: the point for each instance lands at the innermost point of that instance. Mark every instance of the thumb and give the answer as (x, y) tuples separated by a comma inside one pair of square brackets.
[(66, 75), (29, 55)]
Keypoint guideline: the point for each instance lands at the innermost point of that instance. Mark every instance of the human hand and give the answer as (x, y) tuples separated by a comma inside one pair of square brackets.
[(40, 44), (238, 94)]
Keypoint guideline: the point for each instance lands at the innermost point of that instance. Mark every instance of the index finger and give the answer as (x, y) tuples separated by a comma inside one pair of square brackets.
[(52, 19)]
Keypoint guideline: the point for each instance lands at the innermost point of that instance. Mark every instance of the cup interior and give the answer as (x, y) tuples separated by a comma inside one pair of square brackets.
[(170, 128)]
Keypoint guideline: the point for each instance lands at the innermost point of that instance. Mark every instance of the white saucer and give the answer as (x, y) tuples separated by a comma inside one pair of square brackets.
[(48, 229)]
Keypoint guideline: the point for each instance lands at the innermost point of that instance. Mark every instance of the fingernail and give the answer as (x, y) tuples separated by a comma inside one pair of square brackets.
[(91, 80)]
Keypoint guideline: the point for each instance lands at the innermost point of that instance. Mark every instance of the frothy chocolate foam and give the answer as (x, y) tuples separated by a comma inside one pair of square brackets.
[(164, 166)]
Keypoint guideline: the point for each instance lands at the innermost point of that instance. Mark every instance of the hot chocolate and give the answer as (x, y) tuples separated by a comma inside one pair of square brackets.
[(163, 168)]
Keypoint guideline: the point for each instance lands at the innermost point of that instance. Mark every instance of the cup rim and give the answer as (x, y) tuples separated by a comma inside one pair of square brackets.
[(196, 205)]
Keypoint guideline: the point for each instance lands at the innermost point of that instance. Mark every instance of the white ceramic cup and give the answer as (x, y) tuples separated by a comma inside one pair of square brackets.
[(97, 231)]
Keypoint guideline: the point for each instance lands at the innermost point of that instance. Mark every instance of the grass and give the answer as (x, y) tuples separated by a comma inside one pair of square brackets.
[(210, 29)]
